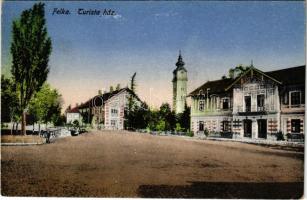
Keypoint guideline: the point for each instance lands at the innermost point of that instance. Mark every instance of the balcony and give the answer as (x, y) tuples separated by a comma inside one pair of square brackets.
[(255, 110), (293, 108)]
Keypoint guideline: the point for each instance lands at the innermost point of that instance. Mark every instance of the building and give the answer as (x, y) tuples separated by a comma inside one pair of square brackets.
[(180, 80), (254, 105), (107, 110), (73, 115)]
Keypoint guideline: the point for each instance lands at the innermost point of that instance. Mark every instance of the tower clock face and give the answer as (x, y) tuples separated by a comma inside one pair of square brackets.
[(181, 74)]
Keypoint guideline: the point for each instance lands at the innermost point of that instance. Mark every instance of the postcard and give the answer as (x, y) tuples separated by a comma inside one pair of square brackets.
[(153, 99)]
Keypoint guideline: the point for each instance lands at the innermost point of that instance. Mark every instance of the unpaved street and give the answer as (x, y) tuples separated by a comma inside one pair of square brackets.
[(122, 164)]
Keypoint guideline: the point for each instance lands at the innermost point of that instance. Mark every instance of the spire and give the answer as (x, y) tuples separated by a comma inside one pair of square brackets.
[(180, 62)]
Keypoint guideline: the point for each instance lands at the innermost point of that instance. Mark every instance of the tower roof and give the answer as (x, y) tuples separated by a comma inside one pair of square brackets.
[(179, 64)]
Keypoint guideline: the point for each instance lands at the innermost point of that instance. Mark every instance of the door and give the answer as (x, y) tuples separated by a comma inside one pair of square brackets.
[(247, 128), (248, 103), (201, 126), (262, 128)]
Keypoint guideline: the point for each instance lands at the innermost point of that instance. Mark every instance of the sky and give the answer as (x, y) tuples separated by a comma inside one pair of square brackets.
[(91, 53)]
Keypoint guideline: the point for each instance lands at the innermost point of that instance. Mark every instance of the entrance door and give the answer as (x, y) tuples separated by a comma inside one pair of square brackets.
[(248, 103), (247, 128), (262, 128), (201, 126)]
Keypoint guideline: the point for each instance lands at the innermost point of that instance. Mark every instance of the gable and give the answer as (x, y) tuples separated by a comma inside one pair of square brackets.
[(254, 75)]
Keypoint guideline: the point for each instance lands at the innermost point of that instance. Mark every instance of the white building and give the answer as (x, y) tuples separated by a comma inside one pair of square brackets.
[(73, 115), (255, 105), (108, 110)]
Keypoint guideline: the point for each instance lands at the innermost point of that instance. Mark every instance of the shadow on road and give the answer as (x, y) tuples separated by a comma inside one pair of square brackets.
[(247, 190)]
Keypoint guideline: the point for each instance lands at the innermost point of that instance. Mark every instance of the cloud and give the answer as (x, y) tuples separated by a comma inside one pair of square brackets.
[(118, 17), (166, 14)]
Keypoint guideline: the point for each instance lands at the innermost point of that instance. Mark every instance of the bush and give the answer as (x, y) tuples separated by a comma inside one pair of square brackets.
[(190, 133), (206, 132), (280, 136)]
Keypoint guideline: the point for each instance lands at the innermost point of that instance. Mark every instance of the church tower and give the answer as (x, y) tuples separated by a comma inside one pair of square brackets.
[(180, 80)]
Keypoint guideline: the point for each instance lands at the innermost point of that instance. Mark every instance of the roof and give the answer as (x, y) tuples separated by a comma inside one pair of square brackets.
[(99, 100), (216, 87), (73, 110), (289, 76)]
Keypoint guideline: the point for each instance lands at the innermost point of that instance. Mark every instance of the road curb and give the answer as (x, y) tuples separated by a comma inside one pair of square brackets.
[(20, 144)]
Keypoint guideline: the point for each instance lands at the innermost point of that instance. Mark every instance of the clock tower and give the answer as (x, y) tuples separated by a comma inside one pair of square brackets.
[(180, 79)]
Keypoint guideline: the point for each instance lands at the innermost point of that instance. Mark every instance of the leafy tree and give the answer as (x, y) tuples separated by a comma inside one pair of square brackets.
[(117, 87), (153, 119), (46, 105), (111, 89), (68, 108), (168, 116), (237, 71), (10, 110), (138, 117), (30, 49), (161, 125), (184, 118), (86, 117)]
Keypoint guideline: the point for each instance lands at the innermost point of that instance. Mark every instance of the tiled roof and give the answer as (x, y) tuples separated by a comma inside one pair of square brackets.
[(73, 110), (216, 87), (97, 99), (289, 76)]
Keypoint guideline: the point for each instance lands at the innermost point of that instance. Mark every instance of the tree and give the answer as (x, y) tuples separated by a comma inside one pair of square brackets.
[(46, 105), (167, 115), (30, 49), (132, 82), (117, 87), (10, 110), (184, 118), (237, 71), (111, 89)]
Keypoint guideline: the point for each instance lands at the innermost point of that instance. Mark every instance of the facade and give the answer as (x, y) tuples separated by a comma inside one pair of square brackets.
[(254, 105), (180, 80), (107, 110), (73, 115)]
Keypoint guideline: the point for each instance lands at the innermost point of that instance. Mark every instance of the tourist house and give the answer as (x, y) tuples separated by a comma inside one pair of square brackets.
[(256, 104)]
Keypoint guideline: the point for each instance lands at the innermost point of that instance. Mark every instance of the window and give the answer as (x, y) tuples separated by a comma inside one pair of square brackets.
[(295, 98), (201, 105), (201, 126), (295, 125), (225, 103), (260, 102), (113, 122), (114, 112), (247, 103), (225, 125)]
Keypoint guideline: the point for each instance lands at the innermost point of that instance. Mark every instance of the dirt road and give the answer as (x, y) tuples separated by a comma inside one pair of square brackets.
[(122, 164)]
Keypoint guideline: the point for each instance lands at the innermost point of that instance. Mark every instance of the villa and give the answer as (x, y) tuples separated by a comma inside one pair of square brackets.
[(256, 104)]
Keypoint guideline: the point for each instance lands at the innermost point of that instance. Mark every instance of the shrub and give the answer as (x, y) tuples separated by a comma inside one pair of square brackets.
[(280, 136), (206, 132), (190, 133)]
